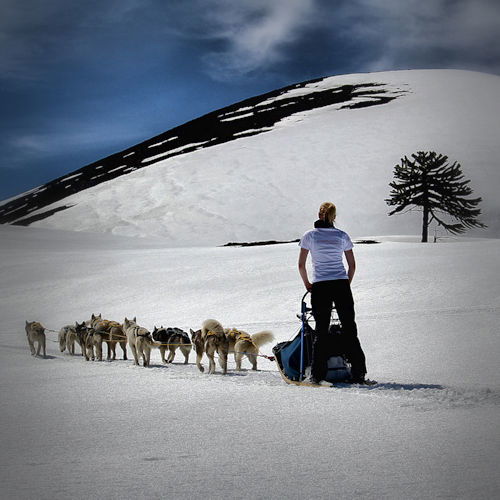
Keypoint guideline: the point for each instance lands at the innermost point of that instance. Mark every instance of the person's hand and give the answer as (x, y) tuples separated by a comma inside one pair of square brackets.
[(308, 286)]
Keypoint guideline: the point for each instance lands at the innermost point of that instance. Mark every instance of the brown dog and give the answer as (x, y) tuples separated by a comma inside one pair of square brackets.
[(110, 332), (211, 339)]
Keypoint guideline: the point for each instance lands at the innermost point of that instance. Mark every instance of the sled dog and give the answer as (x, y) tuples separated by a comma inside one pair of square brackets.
[(243, 344), (198, 347), (176, 338), (139, 339), (35, 332), (63, 332), (211, 339), (110, 332), (70, 334), (92, 341)]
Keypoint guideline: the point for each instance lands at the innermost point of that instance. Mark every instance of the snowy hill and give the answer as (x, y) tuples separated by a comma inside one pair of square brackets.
[(258, 170)]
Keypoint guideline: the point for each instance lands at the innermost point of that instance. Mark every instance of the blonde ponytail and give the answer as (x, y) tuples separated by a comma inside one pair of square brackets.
[(327, 212)]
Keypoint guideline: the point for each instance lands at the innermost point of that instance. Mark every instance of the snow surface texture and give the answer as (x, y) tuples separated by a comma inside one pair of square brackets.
[(269, 186), (428, 319)]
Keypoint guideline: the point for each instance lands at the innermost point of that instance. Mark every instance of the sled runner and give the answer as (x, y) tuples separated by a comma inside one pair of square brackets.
[(294, 357)]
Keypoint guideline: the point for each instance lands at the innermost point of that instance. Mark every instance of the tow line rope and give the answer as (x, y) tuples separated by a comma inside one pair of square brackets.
[(119, 338), (270, 358)]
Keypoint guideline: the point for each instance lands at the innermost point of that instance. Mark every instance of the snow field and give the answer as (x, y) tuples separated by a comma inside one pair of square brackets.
[(427, 318)]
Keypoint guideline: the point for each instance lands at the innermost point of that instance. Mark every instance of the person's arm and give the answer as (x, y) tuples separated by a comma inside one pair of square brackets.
[(302, 268), (351, 262)]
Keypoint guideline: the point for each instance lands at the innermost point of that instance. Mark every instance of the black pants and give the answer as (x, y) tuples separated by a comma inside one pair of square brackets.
[(323, 295)]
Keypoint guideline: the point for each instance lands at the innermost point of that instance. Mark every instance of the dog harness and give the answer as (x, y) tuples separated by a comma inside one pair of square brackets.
[(139, 331), (239, 335)]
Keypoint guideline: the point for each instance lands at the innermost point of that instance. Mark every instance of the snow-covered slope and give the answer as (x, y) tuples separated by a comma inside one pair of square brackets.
[(334, 139), (76, 429)]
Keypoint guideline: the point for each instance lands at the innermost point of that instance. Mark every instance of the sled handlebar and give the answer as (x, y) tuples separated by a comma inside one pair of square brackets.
[(304, 307)]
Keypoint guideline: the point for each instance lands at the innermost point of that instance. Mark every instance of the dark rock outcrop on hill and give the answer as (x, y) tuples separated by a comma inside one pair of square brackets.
[(249, 117), (258, 243)]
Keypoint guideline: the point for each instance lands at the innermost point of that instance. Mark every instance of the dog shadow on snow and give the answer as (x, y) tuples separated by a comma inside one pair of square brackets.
[(23, 349)]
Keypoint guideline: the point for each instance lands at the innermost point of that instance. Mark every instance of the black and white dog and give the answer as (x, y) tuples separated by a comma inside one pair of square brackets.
[(171, 339)]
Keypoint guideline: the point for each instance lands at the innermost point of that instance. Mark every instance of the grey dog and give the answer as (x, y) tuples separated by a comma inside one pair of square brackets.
[(35, 333)]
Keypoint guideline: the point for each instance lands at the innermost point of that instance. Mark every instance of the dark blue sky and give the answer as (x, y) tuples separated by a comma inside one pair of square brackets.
[(82, 80)]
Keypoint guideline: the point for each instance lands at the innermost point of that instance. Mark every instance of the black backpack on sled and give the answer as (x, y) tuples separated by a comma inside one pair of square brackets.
[(294, 356)]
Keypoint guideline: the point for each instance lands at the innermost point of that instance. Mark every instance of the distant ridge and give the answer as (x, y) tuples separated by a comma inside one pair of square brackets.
[(258, 243)]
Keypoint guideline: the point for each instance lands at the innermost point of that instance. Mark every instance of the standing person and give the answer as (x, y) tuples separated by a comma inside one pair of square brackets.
[(331, 285)]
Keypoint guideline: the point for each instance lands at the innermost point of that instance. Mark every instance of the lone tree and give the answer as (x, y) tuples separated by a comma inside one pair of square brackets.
[(431, 183)]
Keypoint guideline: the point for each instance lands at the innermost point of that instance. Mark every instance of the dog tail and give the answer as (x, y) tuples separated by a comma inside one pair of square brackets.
[(261, 338), (148, 339), (212, 325)]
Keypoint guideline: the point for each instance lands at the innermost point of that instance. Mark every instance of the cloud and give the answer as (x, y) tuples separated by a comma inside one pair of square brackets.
[(253, 34), (37, 36), (72, 139), (233, 40), (252, 37), (442, 33)]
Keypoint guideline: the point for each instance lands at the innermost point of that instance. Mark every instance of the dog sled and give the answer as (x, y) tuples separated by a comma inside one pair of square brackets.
[(294, 356)]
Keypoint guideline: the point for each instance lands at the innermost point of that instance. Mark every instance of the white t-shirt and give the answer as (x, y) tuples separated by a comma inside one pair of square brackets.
[(327, 247)]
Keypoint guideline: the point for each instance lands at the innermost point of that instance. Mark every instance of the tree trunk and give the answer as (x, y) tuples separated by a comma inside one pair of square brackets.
[(425, 224), (425, 205)]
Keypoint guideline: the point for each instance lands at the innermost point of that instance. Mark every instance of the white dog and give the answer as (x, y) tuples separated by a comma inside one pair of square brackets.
[(140, 341), (243, 344)]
